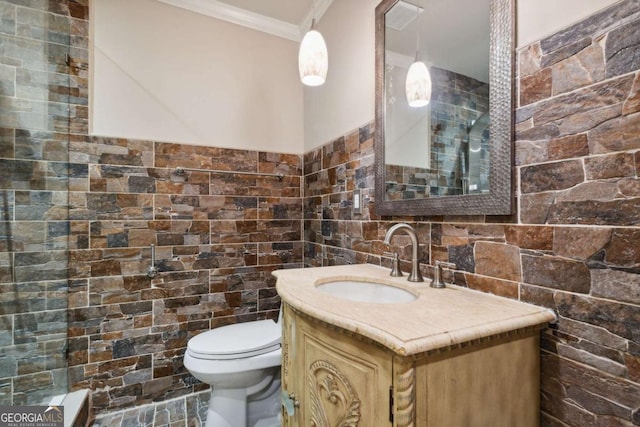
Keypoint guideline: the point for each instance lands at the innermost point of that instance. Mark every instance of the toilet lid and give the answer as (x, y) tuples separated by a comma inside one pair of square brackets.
[(237, 341)]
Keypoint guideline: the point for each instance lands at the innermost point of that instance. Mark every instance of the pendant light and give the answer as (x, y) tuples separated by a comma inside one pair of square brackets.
[(313, 60), (418, 83)]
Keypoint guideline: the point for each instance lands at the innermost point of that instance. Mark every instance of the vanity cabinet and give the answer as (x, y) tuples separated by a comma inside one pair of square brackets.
[(340, 378), (337, 381), (451, 357)]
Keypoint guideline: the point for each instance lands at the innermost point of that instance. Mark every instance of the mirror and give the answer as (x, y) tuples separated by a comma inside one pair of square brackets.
[(453, 156)]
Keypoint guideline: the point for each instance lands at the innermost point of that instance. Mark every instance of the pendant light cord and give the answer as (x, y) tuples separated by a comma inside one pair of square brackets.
[(417, 30), (313, 16)]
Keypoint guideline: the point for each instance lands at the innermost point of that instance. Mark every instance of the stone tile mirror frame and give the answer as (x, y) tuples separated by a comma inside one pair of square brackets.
[(499, 200)]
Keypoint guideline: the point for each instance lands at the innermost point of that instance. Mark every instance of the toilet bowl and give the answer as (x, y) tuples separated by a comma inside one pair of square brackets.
[(241, 362)]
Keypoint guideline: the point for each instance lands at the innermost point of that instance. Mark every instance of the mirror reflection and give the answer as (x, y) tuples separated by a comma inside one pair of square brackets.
[(441, 149)]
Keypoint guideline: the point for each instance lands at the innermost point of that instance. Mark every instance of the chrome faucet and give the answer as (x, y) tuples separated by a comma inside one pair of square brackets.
[(415, 275)]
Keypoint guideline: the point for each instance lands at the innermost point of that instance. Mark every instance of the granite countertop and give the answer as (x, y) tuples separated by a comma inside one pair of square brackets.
[(438, 318)]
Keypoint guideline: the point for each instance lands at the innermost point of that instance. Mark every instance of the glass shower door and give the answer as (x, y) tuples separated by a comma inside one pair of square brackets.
[(35, 80)]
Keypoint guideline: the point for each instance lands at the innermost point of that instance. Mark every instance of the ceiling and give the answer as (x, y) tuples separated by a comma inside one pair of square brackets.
[(288, 19)]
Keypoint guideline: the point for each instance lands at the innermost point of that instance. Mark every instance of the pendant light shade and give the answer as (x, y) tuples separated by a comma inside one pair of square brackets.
[(313, 60), (418, 84)]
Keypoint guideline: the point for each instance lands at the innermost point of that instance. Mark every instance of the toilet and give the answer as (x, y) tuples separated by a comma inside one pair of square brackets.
[(241, 362)]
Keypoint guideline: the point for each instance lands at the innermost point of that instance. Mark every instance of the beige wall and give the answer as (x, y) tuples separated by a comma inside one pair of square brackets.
[(162, 73), (346, 100), (539, 18)]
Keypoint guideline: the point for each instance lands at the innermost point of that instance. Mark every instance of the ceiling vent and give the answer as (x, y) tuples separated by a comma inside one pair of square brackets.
[(401, 15)]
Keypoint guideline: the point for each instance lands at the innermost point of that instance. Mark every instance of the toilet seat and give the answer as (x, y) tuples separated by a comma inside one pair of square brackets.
[(236, 341)]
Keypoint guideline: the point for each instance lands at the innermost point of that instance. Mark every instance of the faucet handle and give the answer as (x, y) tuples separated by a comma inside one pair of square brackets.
[(395, 264), (437, 274)]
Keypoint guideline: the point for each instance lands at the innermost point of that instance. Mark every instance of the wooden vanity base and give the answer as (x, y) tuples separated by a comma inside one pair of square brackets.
[(493, 384), (340, 378)]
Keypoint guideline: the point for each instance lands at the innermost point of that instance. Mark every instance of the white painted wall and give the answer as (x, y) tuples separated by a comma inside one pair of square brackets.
[(166, 74)]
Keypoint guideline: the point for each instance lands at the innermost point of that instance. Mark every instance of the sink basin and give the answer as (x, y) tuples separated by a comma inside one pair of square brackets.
[(354, 290)]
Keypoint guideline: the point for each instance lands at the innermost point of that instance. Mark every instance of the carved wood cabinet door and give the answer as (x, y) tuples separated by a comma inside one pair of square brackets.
[(338, 380)]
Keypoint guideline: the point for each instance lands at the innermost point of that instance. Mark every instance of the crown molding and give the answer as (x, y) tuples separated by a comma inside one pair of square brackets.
[(319, 11), (238, 16), (226, 12)]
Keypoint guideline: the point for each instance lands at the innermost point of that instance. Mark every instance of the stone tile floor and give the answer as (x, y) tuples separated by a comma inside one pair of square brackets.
[(186, 411)]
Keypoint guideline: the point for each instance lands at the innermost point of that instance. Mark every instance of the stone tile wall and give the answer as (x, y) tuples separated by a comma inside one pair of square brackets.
[(43, 105), (457, 101), (408, 182), (221, 219), (574, 243)]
